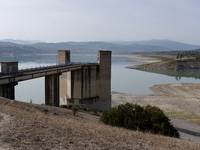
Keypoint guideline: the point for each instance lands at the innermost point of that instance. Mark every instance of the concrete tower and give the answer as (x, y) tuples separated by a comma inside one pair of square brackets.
[(89, 86)]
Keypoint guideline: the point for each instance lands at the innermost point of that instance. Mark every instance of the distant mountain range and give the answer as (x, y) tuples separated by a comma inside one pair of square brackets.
[(21, 41), (163, 43), (12, 49), (20, 47)]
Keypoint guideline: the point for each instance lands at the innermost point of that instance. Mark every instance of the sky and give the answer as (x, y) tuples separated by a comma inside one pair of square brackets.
[(100, 20)]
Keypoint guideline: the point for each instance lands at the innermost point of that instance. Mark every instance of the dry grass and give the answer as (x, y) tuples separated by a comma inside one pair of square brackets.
[(44, 127), (183, 115)]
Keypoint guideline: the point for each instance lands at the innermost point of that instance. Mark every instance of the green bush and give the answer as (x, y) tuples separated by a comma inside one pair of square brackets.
[(136, 117), (74, 109), (93, 110), (66, 106), (84, 108), (79, 108)]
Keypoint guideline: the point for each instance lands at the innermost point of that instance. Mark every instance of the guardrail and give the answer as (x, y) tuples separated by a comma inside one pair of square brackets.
[(41, 68)]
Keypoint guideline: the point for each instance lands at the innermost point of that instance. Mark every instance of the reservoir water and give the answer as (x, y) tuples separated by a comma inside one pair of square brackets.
[(122, 80)]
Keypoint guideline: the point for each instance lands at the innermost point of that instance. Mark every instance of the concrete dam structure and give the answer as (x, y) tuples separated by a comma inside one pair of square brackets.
[(86, 84)]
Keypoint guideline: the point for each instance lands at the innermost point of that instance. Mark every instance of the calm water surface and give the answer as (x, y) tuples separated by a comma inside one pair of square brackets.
[(123, 80)]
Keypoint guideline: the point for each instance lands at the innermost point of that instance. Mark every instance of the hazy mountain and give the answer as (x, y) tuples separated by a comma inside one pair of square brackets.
[(93, 47), (7, 48), (163, 43), (25, 42)]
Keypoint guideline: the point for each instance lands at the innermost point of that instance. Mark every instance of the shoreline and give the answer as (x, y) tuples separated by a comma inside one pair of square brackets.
[(138, 58), (179, 101)]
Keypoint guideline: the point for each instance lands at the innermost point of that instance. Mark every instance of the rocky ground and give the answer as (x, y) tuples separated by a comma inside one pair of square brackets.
[(181, 102), (30, 126)]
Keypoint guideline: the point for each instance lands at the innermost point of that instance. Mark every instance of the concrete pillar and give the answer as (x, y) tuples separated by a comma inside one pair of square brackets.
[(9, 67), (63, 57), (65, 78), (52, 90), (104, 85), (8, 90)]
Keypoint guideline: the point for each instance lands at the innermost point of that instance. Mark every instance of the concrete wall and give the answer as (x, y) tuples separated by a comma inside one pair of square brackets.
[(104, 84), (52, 90), (65, 78), (8, 90), (63, 56), (89, 86), (9, 67)]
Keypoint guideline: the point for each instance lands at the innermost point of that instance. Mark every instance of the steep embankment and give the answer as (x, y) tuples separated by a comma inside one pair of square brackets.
[(185, 64), (34, 126)]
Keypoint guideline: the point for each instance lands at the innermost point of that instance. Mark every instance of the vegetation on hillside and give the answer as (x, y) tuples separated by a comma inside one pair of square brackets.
[(80, 108), (17, 50), (135, 117), (189, 54)]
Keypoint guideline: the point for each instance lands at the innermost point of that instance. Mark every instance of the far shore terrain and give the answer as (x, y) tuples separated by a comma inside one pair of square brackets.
[(180, 102), (32, 126)]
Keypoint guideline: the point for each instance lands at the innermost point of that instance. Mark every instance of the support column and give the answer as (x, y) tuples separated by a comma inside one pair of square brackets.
[(52, 90), (65, 78), (8, 90), (104, 85), (63, 57)]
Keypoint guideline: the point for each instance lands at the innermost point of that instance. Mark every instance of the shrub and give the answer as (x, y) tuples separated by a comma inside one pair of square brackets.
[(74, 109), (69, 106), (79, 108), (136, 117), (64, 106), (93, 110), (84, 108)]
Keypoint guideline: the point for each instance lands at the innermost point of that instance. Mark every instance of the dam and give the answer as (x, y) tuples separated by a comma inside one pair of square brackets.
[(87, 84)]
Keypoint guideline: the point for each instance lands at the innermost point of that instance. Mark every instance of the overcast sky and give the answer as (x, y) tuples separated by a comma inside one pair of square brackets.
[(100, 20)]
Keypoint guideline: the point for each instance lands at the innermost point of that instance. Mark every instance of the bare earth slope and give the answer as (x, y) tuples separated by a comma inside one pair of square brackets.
[(181, 102), (30, 126)]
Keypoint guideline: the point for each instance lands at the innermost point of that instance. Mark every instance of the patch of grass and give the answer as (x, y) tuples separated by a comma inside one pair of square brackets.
[(182, 115), (197, 121)]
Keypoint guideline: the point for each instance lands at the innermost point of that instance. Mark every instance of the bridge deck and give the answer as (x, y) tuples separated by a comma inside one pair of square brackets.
[(31, 73)]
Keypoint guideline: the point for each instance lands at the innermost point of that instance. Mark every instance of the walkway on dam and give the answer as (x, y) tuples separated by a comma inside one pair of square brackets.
[(31, 73)]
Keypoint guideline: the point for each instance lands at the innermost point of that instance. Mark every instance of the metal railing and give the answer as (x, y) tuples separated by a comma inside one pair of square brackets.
[(42, 68)]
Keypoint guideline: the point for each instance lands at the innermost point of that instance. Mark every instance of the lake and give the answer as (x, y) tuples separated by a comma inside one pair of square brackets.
[(122, 79)]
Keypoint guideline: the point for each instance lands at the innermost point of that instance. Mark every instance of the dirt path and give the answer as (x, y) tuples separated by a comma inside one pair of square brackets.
[(181, 102)]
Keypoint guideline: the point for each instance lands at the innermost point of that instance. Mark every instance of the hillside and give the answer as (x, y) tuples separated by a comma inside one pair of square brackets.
[(25, 42), (172, 65), (29, 48), (93, 47), (31, 126), (11, 49), (171, 61), (173, 45)]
